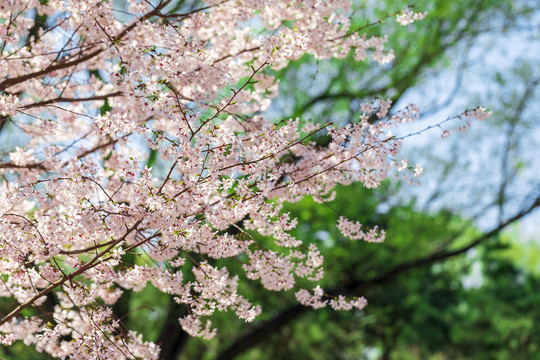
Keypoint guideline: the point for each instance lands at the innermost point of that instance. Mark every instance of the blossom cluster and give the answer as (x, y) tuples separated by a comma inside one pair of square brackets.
[(408, 16), (480, 113), (353, 231)]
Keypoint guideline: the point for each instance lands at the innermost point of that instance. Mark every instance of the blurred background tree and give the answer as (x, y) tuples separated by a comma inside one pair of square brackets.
[(450, 282)]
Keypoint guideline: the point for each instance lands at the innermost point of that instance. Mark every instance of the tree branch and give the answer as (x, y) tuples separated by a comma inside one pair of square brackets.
[(72, 100)]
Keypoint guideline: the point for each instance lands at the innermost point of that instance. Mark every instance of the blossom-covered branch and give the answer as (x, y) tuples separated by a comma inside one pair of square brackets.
[(147, 135)]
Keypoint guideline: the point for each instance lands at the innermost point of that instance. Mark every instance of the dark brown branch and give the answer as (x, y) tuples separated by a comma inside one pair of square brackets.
[(10, 165), (262, 332), (172, 337), (72, 100)]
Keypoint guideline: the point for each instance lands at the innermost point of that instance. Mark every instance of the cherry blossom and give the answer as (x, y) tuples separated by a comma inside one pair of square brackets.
[(99, 90), (408, 16)]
